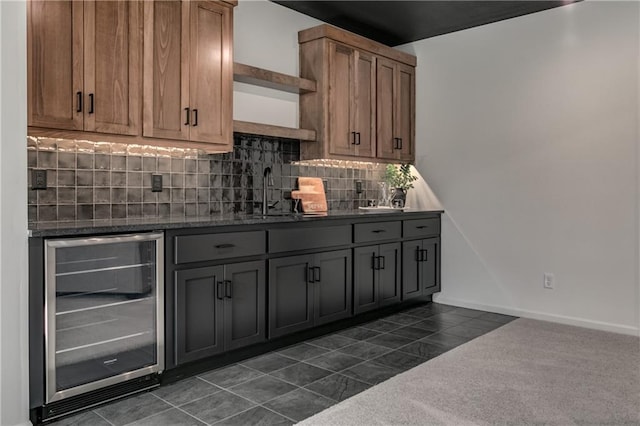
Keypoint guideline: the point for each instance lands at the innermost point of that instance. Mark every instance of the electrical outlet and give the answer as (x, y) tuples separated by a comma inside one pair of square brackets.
[(39, 179), (358, 187), (156, 183), (549, 281)]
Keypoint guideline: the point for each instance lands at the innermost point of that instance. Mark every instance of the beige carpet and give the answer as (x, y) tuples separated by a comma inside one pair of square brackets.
[(524, 373)]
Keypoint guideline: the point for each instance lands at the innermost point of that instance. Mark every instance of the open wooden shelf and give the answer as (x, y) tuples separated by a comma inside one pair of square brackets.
[(271, 79), (276, 131)]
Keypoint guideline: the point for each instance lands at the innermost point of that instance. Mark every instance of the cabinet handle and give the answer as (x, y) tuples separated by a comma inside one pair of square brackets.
[(224, 246), (395, 143), (399, 143), (418, 254), (378, 231), (227, 289), (316, 278), (426, 255), (219, 290), (195, 117), (79, 101), (421, 227), (358, 138), (374, 261), (90, 103), (186, 116), (380, 262), (353, 138), (310, 275)]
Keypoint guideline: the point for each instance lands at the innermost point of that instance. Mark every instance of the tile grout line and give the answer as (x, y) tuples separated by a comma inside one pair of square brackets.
[(102, 417)]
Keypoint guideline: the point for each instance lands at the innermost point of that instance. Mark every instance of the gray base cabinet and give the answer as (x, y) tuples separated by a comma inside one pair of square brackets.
[(309, 290), (377, 276), (420, 267), (218, 308)]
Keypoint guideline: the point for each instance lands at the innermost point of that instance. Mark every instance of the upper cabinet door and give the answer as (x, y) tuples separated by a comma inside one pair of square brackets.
[(211, 72), (395, 111), (405, 112), (386, 111), (55, 80), (365, 105), (351, 102), (166, 112), (112, 66), (341, 92)]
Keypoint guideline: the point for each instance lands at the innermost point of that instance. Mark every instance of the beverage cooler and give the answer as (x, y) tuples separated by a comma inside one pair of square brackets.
[(103, 312)]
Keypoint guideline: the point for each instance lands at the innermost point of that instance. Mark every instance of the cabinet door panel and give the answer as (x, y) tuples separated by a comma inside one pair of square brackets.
[(166, 69), (405, 104), (55, 56), (341, 93), (290, 295), (411, 267), (389, 274), (198, 327), (365, 105), (364, 279), (211, 73), (386, 111), (244, 304), (332, 280), (430, 269), (112, 43)]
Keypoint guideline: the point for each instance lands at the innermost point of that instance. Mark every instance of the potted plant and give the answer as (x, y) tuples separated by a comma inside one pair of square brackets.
[(400, 178)]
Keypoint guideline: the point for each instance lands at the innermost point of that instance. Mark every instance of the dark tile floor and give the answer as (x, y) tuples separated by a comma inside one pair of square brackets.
[(289, 385)]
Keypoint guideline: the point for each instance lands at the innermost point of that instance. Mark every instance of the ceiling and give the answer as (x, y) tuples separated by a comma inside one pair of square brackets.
[(398, 22)]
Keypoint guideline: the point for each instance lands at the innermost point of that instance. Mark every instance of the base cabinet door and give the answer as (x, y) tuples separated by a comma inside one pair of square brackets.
[(365, 279), (244, 307), (420, 268), (377, 276), (389, 274), (199, 313), (430, 269), (332, 279), (218, 309), (290, 295)]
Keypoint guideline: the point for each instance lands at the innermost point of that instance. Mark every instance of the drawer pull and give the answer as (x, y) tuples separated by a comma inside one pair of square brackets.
[(378, 231), (426, 255), (380, 262), (316, 277), (310, 275), (422, 226), (224, 246)]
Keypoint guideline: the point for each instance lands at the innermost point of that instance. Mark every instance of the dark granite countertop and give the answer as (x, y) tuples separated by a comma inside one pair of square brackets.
[(80, 228)]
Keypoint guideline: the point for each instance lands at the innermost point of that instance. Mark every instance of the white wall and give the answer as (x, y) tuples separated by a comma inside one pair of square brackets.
[(527, 132), (13, 215), (266, 36)]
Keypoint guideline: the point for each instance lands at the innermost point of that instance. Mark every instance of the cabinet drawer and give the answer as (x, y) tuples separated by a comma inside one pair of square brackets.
[(281, 240), (378, 231), (421, 227), (199, 248)]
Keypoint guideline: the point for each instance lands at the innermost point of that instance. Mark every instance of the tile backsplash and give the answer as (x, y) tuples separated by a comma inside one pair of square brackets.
[(104, 180)]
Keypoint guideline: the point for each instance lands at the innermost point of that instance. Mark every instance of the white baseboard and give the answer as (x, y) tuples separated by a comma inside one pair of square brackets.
[(543, 316)]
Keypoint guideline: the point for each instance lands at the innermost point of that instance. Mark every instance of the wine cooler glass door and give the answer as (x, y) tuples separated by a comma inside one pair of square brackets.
[(103, 311)]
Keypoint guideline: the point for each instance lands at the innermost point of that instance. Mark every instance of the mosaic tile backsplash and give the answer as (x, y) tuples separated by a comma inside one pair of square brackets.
[(103, 180)]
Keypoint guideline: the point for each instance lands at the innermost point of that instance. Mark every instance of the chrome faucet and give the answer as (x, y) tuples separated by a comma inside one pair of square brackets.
[(266, 182)]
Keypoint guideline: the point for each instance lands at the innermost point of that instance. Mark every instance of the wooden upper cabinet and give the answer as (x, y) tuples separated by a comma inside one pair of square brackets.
[(83, 65), (112, 66), (188, 81), (351, 110), (55, 64), (365, 102), (395, 111)]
